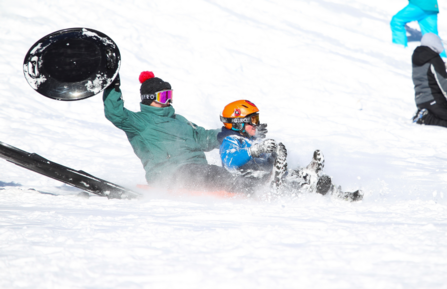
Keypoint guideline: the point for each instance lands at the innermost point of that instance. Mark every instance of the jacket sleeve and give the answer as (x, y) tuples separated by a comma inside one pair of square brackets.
[(232, 154), (437, 67), (205, 138), (116, 113)]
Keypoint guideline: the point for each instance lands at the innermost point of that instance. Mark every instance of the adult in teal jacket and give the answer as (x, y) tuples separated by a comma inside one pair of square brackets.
[(423, 11), (170, 147)]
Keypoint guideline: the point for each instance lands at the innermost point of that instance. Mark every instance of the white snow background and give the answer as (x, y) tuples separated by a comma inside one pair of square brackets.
[(325, 76)]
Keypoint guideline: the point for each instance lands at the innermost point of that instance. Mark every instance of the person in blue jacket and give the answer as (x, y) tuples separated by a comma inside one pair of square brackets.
[(239, 150), (245, 151), (425, 12)]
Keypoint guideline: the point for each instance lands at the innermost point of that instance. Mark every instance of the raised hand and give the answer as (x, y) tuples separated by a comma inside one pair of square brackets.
[(266, 146), (261, 130)]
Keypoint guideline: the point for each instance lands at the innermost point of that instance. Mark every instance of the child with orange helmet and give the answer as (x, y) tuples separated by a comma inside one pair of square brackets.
[(245, 151), (241, 153)]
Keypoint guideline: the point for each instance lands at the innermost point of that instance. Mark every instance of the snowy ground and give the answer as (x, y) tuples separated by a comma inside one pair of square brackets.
[(324, 74)]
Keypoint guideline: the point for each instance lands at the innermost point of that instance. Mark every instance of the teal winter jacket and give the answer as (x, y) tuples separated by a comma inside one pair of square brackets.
[(427, 5), (163, 140)]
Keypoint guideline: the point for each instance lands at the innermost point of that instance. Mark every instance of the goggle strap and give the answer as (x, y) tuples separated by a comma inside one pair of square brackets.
[(235, 120), (148, 96)]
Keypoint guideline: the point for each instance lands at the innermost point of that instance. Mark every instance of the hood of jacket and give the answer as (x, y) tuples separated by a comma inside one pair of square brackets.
[(433, 41), (422, 55)]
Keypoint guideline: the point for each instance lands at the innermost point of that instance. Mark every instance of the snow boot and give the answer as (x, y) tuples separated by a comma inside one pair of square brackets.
[(308, 177), (348, 196), (317, 163), (420, 116), (279, 168), (324, 185)]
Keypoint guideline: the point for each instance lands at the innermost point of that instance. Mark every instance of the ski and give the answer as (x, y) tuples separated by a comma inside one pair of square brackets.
[(69, 176)]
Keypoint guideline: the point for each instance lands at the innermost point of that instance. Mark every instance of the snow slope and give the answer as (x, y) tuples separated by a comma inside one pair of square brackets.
[(323, 73)]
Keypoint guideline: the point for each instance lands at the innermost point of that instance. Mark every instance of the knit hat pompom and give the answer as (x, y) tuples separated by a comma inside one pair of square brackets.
[(145, 75)]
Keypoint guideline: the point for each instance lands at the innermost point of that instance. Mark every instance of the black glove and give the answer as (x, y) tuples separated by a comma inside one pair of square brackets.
[(116, 83), (261, 130), (267, 146)]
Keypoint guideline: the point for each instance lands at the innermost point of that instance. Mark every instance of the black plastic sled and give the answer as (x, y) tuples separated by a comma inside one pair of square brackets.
[(72, 64), (78, 179)]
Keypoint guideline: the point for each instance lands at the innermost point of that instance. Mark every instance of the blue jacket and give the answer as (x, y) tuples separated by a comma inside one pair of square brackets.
[(235, 154), (427, 5)]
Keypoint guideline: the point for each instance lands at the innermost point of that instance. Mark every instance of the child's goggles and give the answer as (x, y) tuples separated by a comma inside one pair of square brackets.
[(160, 96), (252, 119)]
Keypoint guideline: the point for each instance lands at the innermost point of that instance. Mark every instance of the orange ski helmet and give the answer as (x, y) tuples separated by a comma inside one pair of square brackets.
[(238, 113)]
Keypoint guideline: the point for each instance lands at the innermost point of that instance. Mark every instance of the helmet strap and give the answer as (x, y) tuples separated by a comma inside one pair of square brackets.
[(241, 130)]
